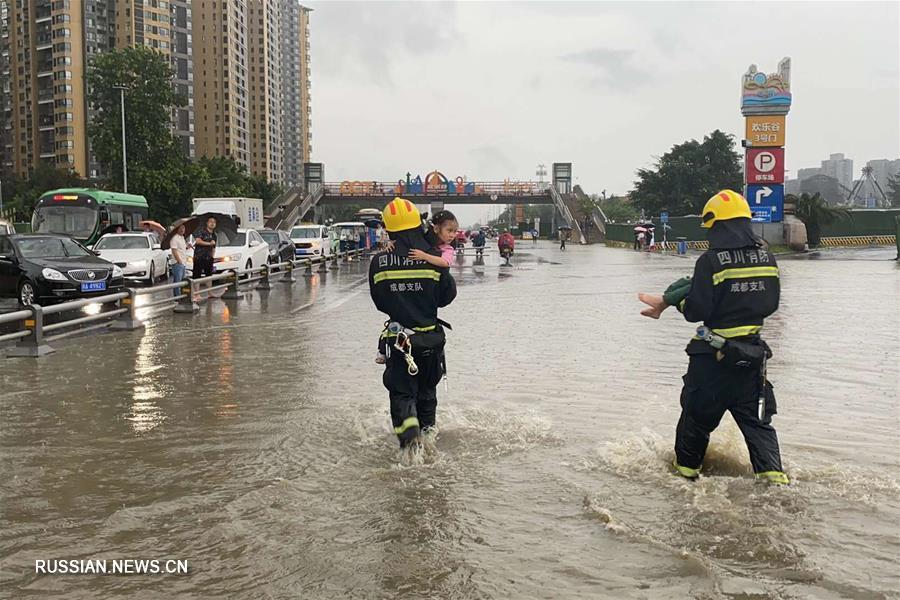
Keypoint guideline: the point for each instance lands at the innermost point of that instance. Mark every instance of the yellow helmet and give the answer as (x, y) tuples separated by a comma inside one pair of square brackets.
[(725, 205), (400, 215)]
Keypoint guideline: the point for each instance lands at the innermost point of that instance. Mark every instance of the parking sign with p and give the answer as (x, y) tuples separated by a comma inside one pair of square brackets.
[(765, 165)]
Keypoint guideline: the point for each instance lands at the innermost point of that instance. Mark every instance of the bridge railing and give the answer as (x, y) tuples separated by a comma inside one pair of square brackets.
[(465, 188), (131, 308)]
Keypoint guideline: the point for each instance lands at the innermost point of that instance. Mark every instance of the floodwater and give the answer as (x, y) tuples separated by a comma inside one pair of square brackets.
[(253, 440)]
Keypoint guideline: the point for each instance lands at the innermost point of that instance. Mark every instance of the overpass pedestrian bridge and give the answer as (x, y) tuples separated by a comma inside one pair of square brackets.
[(435, 189)]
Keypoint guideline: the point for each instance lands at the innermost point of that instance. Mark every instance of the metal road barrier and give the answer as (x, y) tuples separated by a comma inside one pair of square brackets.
[(859, 240), (128, 312)]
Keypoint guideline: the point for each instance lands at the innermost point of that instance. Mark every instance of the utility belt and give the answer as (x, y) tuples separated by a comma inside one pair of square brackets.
[(746, 350), (416, 342)]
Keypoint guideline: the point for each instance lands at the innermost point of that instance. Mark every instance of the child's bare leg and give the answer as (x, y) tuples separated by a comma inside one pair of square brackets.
[(656, 305)]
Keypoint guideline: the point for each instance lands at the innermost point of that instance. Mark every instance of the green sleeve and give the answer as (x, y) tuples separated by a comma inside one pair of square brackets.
[(677, 292)]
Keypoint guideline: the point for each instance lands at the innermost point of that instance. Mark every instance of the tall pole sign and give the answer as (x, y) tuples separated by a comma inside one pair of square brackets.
[(765, 102)]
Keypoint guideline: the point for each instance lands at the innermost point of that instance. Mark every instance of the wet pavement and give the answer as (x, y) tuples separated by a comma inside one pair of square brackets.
[(253, 440)]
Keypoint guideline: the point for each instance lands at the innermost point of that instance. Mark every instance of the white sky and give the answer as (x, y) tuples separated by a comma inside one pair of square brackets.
[(491, 89)]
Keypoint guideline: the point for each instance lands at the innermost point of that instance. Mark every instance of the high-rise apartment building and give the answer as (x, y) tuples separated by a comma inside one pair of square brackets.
[(242, 66), (883, 170), (253, 103), (265, 89), (296, 107), (221, 93), (44, 104), (164, 26), (839, 168)]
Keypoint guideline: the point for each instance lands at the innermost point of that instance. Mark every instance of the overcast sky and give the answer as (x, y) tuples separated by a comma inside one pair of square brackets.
[(491, 89)]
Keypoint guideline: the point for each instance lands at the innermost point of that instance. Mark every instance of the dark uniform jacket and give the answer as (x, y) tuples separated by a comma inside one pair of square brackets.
[(734, 288), (409, 291)]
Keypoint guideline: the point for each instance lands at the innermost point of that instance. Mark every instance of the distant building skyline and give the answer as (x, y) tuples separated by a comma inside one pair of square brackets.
[(838, 168)]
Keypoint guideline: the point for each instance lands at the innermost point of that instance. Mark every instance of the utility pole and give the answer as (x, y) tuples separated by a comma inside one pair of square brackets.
[(121, 89)]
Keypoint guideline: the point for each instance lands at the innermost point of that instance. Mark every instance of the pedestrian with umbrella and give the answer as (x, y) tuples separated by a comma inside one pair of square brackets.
[(564, 233), (639, 232)]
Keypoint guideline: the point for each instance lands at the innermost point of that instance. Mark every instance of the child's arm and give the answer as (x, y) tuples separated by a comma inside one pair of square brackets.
[(429, 258)]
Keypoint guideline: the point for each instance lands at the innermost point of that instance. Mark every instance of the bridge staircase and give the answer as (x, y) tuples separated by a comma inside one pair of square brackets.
[(566, 206), (293, 206), (596, 233)]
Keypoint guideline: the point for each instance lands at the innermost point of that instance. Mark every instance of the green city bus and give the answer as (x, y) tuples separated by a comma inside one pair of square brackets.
[(83, 213)]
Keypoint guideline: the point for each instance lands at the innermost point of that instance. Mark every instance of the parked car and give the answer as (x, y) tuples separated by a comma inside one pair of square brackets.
[(281, 248), (137, 253), (311, 240), (244, 250), (40, 268)]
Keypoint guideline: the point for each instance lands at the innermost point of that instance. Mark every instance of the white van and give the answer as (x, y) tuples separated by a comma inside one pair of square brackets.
[(310, 240)]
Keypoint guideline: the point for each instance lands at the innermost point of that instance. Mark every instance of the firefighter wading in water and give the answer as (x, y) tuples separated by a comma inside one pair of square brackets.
[(410, 292), (734, 287)]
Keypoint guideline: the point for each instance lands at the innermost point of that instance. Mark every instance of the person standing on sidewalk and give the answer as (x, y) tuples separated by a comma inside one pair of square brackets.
[(179, 255), (204, 247)]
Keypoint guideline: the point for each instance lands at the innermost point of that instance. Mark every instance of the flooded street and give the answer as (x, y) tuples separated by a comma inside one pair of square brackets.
[(253, 440)]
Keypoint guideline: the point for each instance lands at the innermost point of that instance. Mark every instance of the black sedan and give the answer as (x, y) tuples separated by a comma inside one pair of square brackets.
[(46, 268), (281, 248)]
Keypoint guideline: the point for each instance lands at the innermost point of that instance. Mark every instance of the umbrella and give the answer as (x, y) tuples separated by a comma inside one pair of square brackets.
[(224, 225), (154, 227), (640, 229)]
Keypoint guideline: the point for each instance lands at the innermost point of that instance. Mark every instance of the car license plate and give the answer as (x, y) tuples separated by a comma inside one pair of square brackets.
[(93, 286)]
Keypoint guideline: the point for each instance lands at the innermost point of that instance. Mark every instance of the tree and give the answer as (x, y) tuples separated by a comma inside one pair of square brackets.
[(685, 177), (894, 190), (618, 209), (20, 195), (815, 212), (149, 100)]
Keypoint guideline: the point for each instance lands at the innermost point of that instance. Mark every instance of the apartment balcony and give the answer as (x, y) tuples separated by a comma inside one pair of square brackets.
[(45, 96)]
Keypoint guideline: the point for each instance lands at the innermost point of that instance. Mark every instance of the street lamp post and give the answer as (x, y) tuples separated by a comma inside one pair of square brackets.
[(121, 89)]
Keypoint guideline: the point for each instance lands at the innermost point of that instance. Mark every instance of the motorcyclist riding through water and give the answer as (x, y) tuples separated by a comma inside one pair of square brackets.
[(735, 286)]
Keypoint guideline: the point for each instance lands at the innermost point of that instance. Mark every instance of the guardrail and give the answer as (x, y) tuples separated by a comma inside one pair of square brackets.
[(127, 312)]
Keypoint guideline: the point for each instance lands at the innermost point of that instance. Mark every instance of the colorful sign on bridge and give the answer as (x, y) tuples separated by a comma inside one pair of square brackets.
[(435, 184)]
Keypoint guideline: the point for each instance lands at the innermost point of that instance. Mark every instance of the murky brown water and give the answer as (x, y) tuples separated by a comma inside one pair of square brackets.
[(255, 443)]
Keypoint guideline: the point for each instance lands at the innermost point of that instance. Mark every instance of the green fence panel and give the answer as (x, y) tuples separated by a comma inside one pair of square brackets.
[(863, 222)]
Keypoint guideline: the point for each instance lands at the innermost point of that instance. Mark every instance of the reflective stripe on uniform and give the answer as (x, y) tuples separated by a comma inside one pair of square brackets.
[(407, 423), (733, 332), (743, 273), (407, 274), (774, 477)]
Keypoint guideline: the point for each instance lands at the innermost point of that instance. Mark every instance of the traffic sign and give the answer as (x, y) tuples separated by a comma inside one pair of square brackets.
[(663, 217), (765, 131), (766, 202), (765, 165), (762, 214)]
